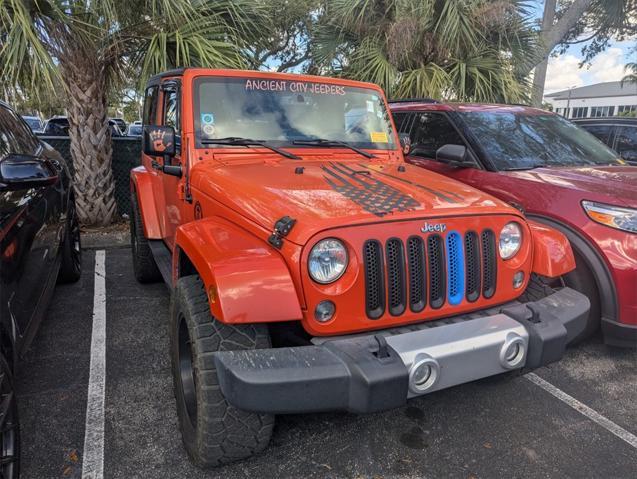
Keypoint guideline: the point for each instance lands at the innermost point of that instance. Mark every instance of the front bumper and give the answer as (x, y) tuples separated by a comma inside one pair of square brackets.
[(374, 372)]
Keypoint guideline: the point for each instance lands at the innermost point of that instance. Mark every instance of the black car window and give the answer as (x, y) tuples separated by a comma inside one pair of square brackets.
[(627, 142), (602, 132), (150, 106), (15, 135), (431, 131), (402, 122)]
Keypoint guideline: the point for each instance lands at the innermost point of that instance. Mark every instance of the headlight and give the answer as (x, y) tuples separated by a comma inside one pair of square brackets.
[(624, 219), (510, 240), (327, 261)]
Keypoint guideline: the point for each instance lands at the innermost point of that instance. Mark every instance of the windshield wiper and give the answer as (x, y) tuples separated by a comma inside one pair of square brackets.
[(322, 142), (529, 167), (239, 141)]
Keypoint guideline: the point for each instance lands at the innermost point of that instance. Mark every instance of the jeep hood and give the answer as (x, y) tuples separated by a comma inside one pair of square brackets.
[(321, 195)]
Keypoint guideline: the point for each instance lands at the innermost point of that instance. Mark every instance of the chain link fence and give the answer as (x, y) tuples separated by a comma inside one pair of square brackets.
[(126, 156)]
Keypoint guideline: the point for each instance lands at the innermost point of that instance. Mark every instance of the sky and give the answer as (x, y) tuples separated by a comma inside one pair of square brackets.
[(564, 71)]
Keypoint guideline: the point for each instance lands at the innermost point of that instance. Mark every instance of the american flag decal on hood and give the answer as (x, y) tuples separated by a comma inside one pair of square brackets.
[(372, 195)]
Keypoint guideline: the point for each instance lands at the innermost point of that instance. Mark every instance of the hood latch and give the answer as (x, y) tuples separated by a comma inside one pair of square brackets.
[(281, 229)]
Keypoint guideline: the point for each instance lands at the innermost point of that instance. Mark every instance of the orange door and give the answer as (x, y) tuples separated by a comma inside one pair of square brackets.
[(169, 207)]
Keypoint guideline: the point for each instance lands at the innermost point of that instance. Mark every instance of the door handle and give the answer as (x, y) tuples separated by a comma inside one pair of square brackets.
[(156, 165)]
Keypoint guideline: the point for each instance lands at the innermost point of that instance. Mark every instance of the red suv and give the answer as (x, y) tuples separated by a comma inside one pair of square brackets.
[(556, 173)]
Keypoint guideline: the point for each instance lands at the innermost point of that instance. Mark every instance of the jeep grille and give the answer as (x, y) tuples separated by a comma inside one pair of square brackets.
[(431, 270)]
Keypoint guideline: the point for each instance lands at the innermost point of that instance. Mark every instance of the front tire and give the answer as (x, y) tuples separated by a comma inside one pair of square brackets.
[(71, 267), (582, 279), (9, 425), (144, 266), (213, 431)]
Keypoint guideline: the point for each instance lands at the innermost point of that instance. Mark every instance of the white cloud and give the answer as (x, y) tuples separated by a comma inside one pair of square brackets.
[(608, 66), (563, 72)]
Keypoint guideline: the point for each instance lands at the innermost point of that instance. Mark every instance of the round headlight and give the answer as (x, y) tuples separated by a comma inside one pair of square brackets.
[(327, 261), (510, 240)]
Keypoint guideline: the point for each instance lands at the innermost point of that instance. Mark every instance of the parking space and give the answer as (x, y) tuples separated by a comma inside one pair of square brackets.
[(491, 428)]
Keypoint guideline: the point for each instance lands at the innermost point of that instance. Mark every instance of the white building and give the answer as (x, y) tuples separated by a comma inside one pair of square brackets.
[(601, 99)]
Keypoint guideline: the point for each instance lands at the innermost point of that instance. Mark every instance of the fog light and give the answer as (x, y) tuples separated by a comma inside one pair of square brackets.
[(518, 279), (423, 374), (513, 352), (324, 311)]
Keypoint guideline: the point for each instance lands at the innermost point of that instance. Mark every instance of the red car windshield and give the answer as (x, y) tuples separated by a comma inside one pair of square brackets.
[(514, 141)]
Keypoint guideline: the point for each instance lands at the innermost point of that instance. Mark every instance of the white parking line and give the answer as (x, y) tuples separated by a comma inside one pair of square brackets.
[(593, 415), (93, 461)]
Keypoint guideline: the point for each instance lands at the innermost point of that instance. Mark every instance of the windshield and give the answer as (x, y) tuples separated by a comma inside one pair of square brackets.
[(280, 112), (515, 141)]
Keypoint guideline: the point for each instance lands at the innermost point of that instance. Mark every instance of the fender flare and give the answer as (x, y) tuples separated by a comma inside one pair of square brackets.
[(552, 252), (142, 186), (245, 279), (601, 273)]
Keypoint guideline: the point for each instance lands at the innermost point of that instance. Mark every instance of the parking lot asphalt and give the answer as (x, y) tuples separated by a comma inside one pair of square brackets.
[(496, 427)]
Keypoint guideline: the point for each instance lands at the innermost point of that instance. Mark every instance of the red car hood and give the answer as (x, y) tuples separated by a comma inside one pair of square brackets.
[(325, 194), (614, 184)]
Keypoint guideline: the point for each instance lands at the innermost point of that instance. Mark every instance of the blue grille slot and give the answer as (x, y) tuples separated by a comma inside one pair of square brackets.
[(455, 267)]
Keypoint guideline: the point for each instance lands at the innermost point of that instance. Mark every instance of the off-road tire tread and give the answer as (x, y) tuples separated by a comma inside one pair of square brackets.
[(144, 266), (224, 433)]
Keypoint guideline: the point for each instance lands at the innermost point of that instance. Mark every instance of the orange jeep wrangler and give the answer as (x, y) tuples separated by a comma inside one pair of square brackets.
[(312, 269)]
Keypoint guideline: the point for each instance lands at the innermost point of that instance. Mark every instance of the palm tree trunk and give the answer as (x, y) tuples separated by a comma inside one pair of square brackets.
[(91, 147)]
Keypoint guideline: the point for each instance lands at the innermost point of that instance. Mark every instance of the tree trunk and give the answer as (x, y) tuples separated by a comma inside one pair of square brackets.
[(551, 37), (539, 76), (91, 147)]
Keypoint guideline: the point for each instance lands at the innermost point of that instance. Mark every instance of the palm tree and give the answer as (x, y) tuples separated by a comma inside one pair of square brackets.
[(90, 47), (631, 71), (461, 50)]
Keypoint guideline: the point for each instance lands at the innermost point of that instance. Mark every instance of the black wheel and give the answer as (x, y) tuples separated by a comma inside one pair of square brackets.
[(71, 267), (144, 265), (213, 431), (582, 280), (9, 425)]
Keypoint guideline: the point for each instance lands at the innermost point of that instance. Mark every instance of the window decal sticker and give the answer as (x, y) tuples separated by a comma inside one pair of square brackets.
[(379, 137)]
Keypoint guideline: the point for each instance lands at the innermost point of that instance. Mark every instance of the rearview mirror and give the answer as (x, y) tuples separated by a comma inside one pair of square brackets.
[(453, 155), (159, 140), (21, 172), (405, 143)]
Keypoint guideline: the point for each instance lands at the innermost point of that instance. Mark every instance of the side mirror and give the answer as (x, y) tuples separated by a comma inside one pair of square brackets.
[(405, 143), (21, 172), (453, 155), (159, 140)]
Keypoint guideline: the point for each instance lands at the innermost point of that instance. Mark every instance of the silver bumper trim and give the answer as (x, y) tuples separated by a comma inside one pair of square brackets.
[(453, 354)]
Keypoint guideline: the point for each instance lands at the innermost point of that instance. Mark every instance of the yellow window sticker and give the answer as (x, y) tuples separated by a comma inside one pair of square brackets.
[(379, 137)]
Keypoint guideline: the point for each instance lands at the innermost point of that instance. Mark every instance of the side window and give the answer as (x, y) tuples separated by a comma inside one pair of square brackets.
[(402, 122), (171, 110), (627, 143), (150, 105), (431, 131), (15, 135), (602, 132)]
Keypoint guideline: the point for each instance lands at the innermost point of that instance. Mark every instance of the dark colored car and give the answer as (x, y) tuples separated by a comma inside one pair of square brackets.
[(121, 124), (34, 122), (39, 246), (555, 172), (134, 130), (59, 126), (56, 126), (617, 132)]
